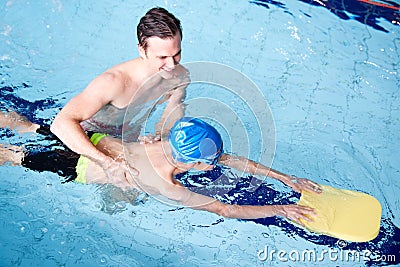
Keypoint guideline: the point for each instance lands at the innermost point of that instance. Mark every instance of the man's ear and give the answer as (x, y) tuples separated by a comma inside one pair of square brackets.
[(142, 51)]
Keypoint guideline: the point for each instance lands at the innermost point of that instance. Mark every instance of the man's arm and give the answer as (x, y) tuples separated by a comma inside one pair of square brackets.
[(249, 166), (175, 108), (173, 111), (66, 126)]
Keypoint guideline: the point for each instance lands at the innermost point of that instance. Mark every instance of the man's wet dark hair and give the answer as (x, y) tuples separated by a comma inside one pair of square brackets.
[(157, 22)]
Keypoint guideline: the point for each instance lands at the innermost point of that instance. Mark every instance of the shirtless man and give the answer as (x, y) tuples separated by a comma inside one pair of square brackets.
[(191, 144), (101, 107)]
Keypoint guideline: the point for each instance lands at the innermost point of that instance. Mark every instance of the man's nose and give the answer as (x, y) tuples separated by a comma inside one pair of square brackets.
[(170, 63)]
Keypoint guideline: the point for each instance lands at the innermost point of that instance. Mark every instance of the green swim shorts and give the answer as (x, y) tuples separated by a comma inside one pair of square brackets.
[(83, 162)]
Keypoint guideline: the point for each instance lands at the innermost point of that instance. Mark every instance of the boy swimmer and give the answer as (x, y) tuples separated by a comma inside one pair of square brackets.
[(192, 144)]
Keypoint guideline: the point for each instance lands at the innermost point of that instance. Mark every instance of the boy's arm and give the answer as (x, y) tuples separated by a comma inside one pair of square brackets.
[(249, 166), (193, 200)]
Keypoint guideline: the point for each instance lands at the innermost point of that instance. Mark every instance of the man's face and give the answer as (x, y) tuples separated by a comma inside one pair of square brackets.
[(162, 54)]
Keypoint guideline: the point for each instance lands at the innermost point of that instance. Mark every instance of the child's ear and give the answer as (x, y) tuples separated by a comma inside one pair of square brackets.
[(195, 165)]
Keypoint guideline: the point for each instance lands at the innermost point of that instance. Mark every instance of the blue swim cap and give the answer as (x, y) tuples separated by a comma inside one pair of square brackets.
[(193, 140)]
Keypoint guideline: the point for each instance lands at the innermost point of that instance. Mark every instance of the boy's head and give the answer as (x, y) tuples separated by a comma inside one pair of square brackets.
[(193, 140)]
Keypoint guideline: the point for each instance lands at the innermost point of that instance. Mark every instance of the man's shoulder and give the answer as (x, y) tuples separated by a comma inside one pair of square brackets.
[(122, 73), (131, 70)]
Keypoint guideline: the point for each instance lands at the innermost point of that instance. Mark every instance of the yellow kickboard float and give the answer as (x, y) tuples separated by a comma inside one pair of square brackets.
[(344, 214)]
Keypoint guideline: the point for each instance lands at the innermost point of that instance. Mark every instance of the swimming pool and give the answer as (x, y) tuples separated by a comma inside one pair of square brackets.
[(332, 86)]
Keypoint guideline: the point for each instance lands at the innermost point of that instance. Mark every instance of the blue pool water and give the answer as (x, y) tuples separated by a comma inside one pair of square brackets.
[(329, 71)]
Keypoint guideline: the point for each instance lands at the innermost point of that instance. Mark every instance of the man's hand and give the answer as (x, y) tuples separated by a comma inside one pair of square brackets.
[(296, 213), (119, 173), (300, 184)]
